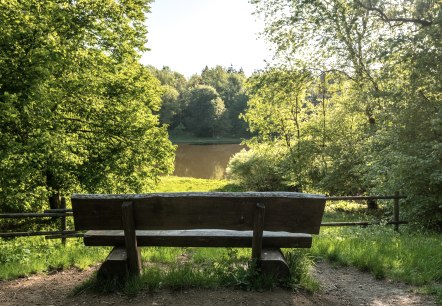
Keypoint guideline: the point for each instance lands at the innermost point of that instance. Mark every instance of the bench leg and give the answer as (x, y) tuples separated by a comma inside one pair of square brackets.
[(273, 264), (115, 266)]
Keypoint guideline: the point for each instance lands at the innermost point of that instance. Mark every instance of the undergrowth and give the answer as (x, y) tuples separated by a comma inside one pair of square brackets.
[(183, 268)]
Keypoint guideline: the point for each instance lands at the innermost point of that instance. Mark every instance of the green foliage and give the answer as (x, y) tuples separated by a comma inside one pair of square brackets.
[(182, 110), (370, 120), (259, 169), (205, 111), (77, 110), (277, 112), (170, 107)]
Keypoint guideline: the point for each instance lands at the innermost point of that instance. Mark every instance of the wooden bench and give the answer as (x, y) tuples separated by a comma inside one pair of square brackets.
[(263, 221)]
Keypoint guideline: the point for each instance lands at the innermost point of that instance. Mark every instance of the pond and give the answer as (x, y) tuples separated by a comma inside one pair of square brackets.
[(204, 161)]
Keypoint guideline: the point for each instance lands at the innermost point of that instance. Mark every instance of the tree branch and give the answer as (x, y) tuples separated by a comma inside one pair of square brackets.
[(384, 17)]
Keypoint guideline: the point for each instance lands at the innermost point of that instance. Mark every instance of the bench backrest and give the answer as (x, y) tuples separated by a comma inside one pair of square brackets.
[(284, 211)]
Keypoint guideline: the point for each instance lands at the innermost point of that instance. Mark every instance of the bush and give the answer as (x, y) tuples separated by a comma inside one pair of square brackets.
[(259, 169)]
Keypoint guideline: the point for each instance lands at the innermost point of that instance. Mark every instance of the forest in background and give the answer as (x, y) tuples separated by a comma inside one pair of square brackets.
[(206, 105)]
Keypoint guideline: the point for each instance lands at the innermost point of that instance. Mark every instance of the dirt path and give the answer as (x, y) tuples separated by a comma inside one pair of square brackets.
[(341, 286)]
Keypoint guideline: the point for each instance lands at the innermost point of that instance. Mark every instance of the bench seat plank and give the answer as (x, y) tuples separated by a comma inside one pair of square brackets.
[(198, 238)]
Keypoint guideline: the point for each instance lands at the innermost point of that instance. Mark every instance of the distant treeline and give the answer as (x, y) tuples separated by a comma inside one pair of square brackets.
[(207, 105)]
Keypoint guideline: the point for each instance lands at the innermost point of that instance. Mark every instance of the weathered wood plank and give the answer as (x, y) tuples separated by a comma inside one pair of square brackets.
[(199, 238), (37, 233), (273, 264), (291, 212), (130, 239), (258, 229), (256, 195), (115, 266), (33, 215)]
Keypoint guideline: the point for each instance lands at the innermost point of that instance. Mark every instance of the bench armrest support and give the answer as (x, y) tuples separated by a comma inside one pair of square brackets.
[(130, 239), (258, 229)]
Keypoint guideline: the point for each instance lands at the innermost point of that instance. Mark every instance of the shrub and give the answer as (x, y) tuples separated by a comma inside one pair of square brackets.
[(260, 169)]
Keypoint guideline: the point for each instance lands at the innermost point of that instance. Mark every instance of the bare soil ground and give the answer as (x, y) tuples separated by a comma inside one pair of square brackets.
[(340, 286)]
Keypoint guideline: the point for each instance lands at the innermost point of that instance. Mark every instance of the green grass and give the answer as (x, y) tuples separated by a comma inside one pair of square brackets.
[(188, 184), (28, 255), (183, 268), (409, 256)]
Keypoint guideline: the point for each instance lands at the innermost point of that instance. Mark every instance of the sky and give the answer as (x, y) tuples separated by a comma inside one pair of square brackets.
[(187, 35)]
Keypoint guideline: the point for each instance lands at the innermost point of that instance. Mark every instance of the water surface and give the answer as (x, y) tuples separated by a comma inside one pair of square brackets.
[(204, 161)]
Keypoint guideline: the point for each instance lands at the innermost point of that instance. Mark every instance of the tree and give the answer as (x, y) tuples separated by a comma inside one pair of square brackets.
[(389, 54), (204, 111), (171, 108), (77, 110), (277, 111), (168, 77), (229, 84)]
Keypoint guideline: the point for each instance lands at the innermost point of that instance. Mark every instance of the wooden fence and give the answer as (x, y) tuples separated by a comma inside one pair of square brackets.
[(396, 210), (63, 213)]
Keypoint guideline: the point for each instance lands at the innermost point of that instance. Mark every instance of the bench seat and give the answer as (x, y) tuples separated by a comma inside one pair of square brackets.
[(198, 238)]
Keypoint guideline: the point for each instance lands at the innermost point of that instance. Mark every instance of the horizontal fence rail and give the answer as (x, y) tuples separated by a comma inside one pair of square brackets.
[(361, 223), (34, 215), (396, 213), (62, 213), (37, 233), (355, 198)]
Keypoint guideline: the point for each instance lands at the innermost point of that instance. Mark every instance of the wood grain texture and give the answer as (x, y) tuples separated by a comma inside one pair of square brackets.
[(285, 211), (273, 264), (199, 238), (130, 239), (258, 229), (115, 266)]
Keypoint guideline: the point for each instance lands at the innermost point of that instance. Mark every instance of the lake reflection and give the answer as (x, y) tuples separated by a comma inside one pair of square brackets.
[(204, 161)]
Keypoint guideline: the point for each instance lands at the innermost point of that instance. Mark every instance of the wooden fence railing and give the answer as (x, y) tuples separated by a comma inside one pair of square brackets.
[(63, 213), (396, 210)]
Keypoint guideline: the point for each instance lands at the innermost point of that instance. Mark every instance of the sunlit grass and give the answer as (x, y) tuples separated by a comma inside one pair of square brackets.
[(29, 255), (188, 184), (411, 257), (182, 268)]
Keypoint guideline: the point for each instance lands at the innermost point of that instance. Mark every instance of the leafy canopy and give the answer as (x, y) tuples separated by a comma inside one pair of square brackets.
[(77, 110)]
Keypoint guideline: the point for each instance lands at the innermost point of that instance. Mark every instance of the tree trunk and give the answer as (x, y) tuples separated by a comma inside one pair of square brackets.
[(55, 201)]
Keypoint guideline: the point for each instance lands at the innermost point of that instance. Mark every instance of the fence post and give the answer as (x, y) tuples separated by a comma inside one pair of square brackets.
[(396, 211), (63, 221), (372, 204)]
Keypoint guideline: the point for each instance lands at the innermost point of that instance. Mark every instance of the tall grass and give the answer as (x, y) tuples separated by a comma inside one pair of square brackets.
[(27, 255), (410, 256)]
